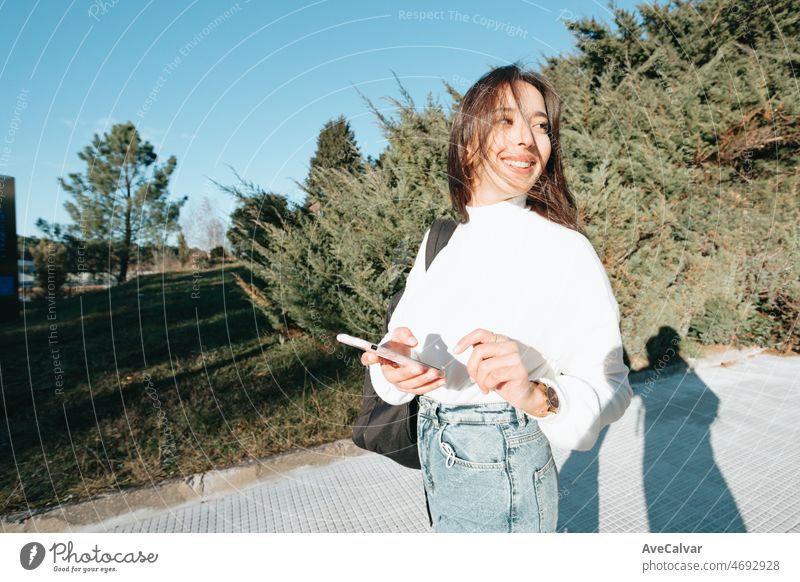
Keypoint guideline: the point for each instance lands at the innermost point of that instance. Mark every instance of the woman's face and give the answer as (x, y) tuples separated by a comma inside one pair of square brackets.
[(520, 137)]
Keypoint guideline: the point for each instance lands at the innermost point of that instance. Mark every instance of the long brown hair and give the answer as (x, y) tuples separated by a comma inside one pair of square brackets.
[(550, 196)]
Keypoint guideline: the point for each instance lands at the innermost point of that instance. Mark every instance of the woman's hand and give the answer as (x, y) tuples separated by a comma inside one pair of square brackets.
[(412, 379), (495, 364)]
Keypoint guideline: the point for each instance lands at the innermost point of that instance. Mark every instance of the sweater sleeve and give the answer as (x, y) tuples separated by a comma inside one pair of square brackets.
[(383, 388), (591, 380)]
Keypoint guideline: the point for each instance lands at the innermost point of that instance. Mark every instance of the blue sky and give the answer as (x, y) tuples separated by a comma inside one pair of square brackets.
[(246, 84)]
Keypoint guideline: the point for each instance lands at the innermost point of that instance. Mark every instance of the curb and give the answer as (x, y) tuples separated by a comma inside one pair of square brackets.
[(724, 357), (109, 508)]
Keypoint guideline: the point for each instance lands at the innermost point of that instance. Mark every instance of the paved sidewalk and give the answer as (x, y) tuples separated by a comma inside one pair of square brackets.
[(710, 448)]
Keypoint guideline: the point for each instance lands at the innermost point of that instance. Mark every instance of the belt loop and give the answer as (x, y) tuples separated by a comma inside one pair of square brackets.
[(434, 409), (522, 418)]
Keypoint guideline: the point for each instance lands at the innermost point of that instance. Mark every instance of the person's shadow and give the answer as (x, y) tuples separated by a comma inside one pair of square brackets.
[(684, 489)]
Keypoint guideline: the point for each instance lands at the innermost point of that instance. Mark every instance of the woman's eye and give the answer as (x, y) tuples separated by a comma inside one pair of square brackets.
[(543, 125)]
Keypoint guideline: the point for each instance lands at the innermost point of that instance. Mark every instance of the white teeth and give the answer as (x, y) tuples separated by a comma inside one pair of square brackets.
[(517, 164)]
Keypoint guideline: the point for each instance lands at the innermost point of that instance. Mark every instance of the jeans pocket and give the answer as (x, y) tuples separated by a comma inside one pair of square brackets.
[(480, 447), (523, 436), (545, 483)]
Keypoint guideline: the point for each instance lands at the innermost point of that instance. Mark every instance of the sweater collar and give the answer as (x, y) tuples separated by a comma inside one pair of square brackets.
[(489, 210)]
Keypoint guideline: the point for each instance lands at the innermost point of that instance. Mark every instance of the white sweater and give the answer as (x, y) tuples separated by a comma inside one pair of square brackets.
[(513, 272)]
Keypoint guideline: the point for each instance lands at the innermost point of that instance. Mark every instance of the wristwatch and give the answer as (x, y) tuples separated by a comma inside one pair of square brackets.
[(550, 394)]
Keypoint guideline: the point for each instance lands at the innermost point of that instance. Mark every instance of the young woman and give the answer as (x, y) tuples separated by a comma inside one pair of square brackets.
[(517, 309)]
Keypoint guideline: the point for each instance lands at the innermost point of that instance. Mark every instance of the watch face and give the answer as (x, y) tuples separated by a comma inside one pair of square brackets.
[(552, 397)]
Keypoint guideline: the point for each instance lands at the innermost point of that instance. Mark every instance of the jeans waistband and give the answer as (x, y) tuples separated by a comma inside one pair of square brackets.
[(482, 413)]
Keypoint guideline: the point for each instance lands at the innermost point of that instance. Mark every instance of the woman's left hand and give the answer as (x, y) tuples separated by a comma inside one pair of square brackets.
[(495, 364)]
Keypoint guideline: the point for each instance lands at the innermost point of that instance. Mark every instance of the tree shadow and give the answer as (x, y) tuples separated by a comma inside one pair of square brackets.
[(684, 489)]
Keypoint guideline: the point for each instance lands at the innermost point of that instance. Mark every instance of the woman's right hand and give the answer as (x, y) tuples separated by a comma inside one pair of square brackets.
[(412, 379)]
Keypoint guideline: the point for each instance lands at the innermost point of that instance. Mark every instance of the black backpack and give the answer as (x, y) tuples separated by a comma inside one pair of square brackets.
[(384, 428)]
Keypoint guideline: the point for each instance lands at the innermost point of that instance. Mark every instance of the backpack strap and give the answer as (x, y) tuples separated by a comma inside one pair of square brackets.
[(441, 231)]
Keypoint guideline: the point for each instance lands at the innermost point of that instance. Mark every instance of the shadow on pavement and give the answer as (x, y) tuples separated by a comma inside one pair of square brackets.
[(683, 486)]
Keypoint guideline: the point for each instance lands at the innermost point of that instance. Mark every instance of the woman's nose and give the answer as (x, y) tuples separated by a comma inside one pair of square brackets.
[(524, 135)]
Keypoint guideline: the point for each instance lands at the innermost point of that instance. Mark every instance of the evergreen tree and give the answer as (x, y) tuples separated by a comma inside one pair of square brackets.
[(255, 208), (122, 197), (336, 148), (184, 253), (678, 131), (255, 213), (321, 280), (681, 147)]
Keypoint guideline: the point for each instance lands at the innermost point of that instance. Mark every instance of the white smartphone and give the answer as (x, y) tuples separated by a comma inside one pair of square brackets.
[(385, 352)]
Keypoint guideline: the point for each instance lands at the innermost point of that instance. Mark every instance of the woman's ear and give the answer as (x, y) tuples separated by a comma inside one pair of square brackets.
[(469, 166), (472, 162), (470, 153)]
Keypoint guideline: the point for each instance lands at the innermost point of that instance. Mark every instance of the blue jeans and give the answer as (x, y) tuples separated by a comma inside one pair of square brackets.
[(486, 468)]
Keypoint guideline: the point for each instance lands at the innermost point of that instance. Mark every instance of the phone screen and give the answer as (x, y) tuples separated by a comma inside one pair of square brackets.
[(384, 352)]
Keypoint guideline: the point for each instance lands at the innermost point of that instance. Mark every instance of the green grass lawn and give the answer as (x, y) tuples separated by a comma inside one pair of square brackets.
[(157, 378)]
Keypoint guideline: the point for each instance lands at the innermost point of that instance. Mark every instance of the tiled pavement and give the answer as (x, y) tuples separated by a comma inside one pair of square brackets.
[(714, 448)]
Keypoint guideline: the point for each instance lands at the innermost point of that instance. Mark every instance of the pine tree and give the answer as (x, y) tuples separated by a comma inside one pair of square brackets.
[(122, 197), (259, 215), (336, 149)]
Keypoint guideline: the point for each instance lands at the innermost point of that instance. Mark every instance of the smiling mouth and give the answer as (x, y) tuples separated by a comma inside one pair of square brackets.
[(521, 167), (517, 163)]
